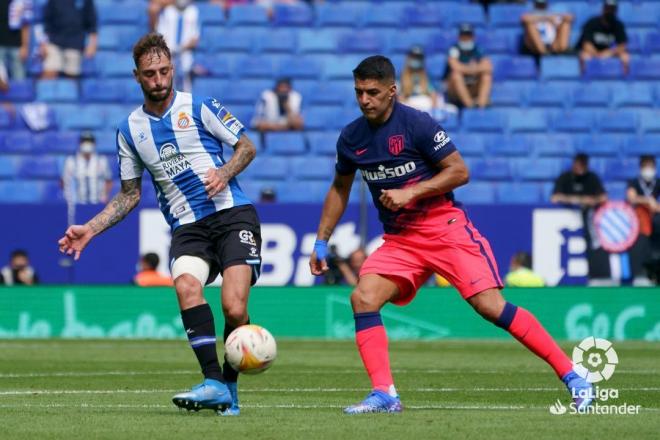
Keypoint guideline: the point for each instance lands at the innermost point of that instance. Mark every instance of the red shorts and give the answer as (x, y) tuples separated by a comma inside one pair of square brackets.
[(458, 252)]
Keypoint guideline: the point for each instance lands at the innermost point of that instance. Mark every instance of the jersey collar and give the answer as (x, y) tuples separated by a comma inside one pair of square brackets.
[(169, 108)]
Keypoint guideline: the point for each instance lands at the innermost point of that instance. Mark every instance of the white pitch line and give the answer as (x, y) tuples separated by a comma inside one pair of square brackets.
[(95, 374), (23, 392)]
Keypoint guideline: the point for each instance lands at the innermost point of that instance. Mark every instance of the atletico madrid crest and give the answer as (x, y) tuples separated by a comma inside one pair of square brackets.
[(396, 144)]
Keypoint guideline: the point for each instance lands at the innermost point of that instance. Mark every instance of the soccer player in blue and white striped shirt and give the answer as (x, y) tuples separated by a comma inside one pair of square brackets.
[(215, 229)]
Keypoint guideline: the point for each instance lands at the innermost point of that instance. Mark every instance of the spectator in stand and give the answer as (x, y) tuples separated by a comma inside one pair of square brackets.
[(604, 36), (545, 31), (416, 89), (19, 271), (86, 177), (67, 23), (15, 19), (469, 73), (148, 275), (267, 195), (279, 109), (350, 268), (4, 79), (179, 25), (521, 273), (153, 10), (581, 188)]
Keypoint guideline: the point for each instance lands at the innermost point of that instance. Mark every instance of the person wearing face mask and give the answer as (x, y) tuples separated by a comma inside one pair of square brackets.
[(178, 23), (604, 36), (469, 73), (86, 177), (581, 188), (279, 109), (644, 193), (416, 88), (545, 31), (19, 271)]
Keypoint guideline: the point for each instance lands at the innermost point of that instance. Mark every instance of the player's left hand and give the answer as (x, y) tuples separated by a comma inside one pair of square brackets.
[(215, 180), (395, 199)]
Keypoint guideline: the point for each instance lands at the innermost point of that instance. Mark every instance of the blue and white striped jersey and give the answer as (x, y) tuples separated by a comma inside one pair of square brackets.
[(178, 149)]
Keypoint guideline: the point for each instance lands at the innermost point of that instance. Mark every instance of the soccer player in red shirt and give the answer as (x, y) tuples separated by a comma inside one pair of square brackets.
[(411, 167)]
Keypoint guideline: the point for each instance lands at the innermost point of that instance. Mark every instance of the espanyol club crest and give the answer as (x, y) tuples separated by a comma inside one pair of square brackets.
[(396, 144), (184, 121), (616, 226)]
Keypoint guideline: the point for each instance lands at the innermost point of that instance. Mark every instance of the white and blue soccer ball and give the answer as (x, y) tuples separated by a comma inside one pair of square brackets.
[(250, 349)]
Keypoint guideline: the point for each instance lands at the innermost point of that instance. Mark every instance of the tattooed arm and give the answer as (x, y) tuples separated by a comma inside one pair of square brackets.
[(216, 179), (77, 237)]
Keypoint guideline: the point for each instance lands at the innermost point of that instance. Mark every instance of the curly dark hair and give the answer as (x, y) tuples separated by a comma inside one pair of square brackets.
[(151, 42)]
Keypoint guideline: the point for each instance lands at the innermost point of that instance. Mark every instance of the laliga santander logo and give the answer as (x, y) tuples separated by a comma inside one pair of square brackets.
[(595, 359)]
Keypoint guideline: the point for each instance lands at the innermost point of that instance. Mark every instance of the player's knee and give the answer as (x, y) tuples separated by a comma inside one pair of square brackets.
[(363, 300), (188, 289), (235, 314), (488, 305)]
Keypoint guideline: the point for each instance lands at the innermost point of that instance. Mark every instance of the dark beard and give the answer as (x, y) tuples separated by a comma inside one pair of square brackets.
[(154, 98)]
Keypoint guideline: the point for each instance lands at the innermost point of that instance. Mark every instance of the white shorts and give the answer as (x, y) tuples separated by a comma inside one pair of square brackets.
[(63, 60)]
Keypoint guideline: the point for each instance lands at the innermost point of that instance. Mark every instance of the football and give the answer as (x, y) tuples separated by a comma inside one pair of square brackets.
[(250, 349)]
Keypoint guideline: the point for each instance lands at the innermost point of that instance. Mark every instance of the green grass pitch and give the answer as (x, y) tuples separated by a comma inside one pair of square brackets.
[(450, 389)]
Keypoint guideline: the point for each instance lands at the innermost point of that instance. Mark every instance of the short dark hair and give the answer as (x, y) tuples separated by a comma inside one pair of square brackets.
[(646, 158), (375, 67), (523, 259), (18, 253), (582, 158), (151, 42), (151, 259)]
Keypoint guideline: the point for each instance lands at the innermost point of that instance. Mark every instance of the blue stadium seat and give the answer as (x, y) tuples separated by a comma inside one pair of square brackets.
[(299, 67), (553, 94), (262, 66), (247, 94), (616, 190), (484, 120), (16, 141), (639, 15), (21, 192), (384, 15), (285, 143), (516, 68), (292, 15), (210, 14), (603, 68), (600, 145), (321, 41), (210, 87), (466, 13), (421, 15), (439, 42), (313, 168), (314, 192), (55, 142), (618, 170), (126, 14), (19, 91), (509, 146), (645, 68), (634, 94), (9, 167), (109, 38), (553, 145), (652, 43), (322, 118), (106, 90), (40, 168), (538, 169), (57, 90), (503, 15), (341, 67), (640, 145), (528, 120), (476, 193), (619, 121), (323, 142), (229, 39), (574, 121), (634, 44), (330, 93), (268, 167), (560, 67), (469, 144), (592, 95), (345, 14), (508, 93), (492, 169), (252, 15), (115, 64), (88, 117), (7, 118), (649, 120), (217, 67), (360, 42), (252, 188), (435, 66), (278, 40), (518, 193), (496, 41)]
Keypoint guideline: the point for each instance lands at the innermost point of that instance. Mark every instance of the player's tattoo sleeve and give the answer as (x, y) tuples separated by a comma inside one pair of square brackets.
[(118, 207), (244, 153)]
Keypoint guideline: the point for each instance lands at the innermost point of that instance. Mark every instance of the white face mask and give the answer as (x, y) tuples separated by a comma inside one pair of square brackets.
[(181, 4), (87, 147), (466, 45), (648, 173)]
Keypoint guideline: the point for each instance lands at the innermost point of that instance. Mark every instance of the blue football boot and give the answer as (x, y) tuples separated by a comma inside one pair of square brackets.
[(210, 394), (581, 390), (233, 409), (376, 402)]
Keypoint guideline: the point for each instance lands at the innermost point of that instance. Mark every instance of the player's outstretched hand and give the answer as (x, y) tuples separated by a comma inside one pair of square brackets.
[(75, 240), (395, 199), (318, 263), (215, 180)]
